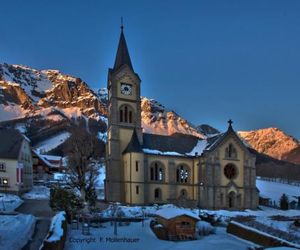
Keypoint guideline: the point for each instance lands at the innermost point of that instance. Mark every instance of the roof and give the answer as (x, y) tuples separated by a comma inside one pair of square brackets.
[(122, 56), (173, 212), (11, 142), (179, 143), (49, 160), (134, 145)]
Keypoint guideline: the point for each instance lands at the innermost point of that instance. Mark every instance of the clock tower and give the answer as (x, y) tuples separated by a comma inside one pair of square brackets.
[(124, 117)]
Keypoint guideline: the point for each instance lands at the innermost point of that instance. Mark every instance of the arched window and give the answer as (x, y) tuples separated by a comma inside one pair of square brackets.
[(182, 174), (183, 193), (157, 194), (126, 114), (230, 152), (157, 172)]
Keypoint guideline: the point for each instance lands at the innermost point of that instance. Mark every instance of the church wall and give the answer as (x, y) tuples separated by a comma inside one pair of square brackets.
[(170, 189), (134, 178), (239, 163)]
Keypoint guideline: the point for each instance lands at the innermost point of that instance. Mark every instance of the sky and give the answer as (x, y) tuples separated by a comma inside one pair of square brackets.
[(207, 60)]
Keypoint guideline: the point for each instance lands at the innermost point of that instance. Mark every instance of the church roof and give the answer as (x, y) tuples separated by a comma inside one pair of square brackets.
[(122, 56), (134, 145), (177, 143)]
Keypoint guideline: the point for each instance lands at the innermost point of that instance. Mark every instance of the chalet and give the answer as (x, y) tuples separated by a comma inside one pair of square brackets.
[(44, 166), (178, 224), (15, 162)]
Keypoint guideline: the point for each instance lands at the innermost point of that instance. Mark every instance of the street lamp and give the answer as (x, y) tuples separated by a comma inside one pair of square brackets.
[(5, 183)]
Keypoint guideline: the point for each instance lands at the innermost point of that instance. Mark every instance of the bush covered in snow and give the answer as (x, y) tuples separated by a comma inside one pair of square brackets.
[(57, 233), (204, 228)]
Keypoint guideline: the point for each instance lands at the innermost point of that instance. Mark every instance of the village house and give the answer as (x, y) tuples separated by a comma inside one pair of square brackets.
[(15, 162), (45, 166), (176, 224)]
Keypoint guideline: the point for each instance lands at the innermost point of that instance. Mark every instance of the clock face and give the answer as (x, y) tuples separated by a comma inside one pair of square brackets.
[(126, 89)]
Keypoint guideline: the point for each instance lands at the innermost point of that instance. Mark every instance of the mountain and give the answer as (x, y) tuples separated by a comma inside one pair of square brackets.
[(28, 92), (156, 119), (273, 142), (47, 103)]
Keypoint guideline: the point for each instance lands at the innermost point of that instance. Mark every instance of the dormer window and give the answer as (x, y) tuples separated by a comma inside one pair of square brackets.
[(2, 167), (230, 152)]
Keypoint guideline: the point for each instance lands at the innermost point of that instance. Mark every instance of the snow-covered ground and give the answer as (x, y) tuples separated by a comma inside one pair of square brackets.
[(15, 230), (140, 237), (51, 143), (9, 202), (38, 193), (100, 182), (274, 190)]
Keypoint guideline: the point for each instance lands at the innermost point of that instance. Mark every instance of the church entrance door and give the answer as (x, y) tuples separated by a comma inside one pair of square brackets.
[(231, 199)]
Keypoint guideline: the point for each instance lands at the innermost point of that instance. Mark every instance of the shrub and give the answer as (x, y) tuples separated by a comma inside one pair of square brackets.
[(204, 228), (65, 199)]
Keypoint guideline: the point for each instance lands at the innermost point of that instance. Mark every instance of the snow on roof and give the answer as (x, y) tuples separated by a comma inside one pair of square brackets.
[(172, 212), (157, 152), (47, 158), (52, 157), (199, 148)]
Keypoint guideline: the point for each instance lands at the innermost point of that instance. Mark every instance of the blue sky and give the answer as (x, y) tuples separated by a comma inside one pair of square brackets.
[(207, 60)]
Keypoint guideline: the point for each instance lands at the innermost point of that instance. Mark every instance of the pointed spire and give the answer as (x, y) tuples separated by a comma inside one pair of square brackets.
[(122, 56), (134, 145)]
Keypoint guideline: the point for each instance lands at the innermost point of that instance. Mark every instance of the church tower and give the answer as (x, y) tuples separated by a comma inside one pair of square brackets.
[(124, 119)]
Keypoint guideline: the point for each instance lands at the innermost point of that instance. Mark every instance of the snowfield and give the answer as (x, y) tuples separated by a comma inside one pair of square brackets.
[(51, 143), (16, 230), (274, 190), (136, 237)]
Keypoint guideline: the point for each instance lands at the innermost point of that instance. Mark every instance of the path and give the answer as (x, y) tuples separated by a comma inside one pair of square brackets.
[(43, 213)]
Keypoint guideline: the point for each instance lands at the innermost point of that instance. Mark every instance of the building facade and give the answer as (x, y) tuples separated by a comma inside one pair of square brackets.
[(15, 162), (216, 172)]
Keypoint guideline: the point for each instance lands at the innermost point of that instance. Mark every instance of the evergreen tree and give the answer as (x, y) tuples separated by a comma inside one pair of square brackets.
[(284, 202)]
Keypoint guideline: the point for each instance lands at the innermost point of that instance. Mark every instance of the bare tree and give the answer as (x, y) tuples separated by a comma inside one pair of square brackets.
[(82, 149)]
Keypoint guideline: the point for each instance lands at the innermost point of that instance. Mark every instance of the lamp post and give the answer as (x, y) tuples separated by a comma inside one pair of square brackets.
[(5, 183)]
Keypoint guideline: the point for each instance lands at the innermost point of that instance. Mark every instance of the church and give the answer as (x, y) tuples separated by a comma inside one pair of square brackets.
[(213, 173)]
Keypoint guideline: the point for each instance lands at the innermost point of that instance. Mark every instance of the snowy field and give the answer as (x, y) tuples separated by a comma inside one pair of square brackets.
[(274, 190), (51, 143), (9, 202), (38, 193), (140, 237), (15, 231)]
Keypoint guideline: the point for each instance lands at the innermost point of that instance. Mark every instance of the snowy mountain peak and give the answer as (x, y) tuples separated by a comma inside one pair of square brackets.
[(271, 141)]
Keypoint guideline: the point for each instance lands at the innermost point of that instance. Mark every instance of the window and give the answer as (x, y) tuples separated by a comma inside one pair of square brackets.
[(230, 152), (157, 194), (137, 189), (183, 193), (230, 171), (126, 114), (157, 172), (185, 224), (182, 174), (2, 167), (136, 166)]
